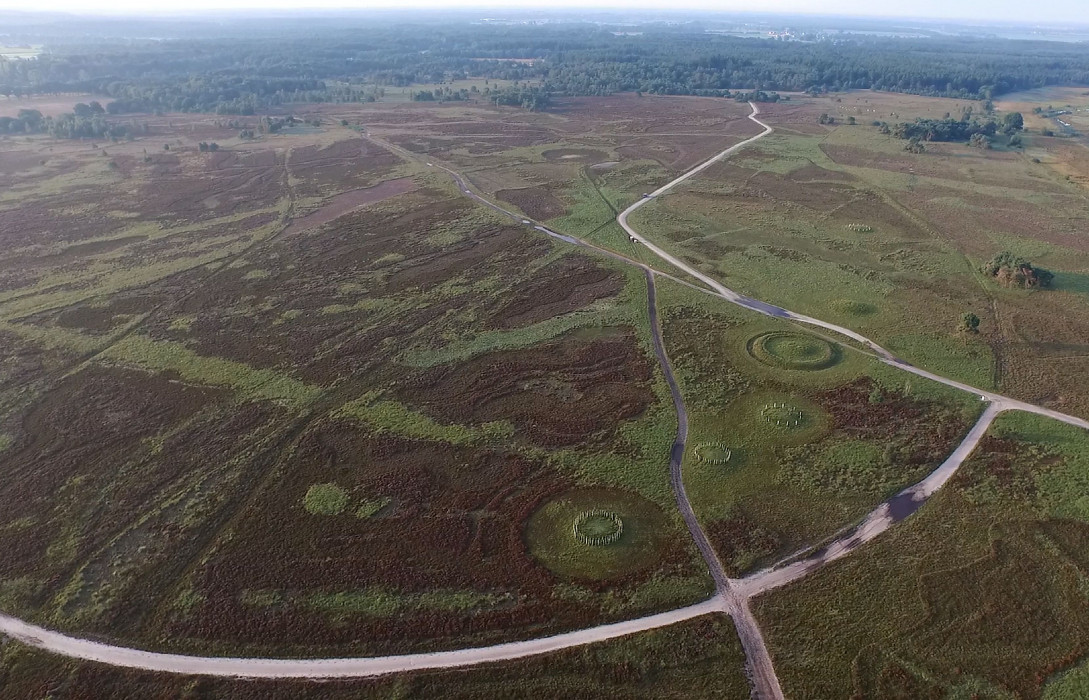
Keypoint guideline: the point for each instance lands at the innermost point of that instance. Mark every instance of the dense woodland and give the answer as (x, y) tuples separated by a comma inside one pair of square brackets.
[(296, 61)]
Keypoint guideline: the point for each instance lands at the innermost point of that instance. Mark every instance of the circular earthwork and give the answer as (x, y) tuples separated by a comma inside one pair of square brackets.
[(598, 528), (713, 452), (790, 350)]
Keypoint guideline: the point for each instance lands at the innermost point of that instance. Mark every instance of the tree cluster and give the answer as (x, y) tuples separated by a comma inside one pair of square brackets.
[(84, 122), (976, 132), (1011, 270)]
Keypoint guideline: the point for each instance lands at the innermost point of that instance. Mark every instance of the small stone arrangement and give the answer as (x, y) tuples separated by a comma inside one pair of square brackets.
[(598, 528), (782, 415), (713, 453)]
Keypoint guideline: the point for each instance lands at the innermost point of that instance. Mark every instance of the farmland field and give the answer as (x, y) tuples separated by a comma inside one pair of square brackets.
[(299, 396)]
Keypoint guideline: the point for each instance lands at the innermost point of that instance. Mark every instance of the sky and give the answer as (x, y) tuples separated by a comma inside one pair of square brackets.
[(1021, 11)]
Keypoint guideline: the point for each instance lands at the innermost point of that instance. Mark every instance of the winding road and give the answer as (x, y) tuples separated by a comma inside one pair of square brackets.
[(731, 596)]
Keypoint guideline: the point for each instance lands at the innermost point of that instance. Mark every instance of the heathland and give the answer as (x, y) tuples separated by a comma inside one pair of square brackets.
[(296, 395)]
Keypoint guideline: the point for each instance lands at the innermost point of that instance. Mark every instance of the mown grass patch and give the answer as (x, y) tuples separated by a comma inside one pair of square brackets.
[(843, 467), (372, 507), (784, 153), (602, 313), (854, 307)]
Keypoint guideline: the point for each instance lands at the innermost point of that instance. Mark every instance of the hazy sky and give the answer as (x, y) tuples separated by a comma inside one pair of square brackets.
[(1029, 12)]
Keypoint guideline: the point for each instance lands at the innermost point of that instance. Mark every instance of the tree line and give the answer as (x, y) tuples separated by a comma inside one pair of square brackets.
[(246, 74), (85, 121)]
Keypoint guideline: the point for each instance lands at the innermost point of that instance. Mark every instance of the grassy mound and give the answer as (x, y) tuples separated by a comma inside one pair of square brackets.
[(636, 528), (793, 351), (852, 307), (325, 499)]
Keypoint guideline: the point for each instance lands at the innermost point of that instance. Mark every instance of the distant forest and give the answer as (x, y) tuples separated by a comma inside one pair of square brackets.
[(288, 62)]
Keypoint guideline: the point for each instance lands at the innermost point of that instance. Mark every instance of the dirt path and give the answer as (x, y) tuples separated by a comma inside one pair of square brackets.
[(676, 454), (732, 596), (124, 657)]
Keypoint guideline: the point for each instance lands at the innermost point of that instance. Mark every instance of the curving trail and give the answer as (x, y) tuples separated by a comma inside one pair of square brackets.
[(124, 657), (880, 519), (676, 454), (732, 595)]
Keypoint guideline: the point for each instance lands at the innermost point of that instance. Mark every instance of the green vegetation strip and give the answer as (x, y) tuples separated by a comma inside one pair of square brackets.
[(165, 356), (387, 416), (377, 601)]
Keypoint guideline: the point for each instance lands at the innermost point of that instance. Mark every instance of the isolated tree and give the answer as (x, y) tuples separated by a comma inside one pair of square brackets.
[(915, 145), (979, 141), (969, 323), (851, 121)]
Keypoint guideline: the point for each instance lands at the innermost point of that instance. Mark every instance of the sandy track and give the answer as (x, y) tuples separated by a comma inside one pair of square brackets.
[(880, 519), (125, 657)]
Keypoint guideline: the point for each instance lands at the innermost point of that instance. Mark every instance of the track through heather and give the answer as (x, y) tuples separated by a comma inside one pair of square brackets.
[(732, 595)]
